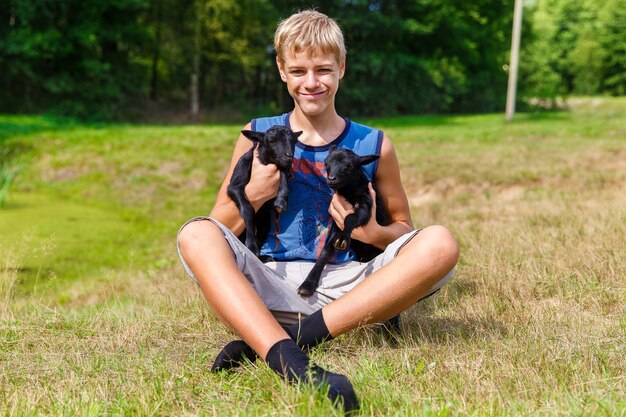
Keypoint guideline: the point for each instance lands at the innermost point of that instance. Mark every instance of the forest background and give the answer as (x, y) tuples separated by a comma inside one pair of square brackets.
[(155, 60)]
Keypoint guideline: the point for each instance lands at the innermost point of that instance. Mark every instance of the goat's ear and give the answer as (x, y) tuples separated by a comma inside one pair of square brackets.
[(364, 160), (253, 136), (298, 133), (332, 148)]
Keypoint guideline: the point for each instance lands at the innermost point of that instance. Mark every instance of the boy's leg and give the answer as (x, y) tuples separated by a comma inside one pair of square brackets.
[(235, 302), (225, 288), (422, 262), (420, 267)]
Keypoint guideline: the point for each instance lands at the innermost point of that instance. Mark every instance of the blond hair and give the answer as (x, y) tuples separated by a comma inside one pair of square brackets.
[(310, 31)]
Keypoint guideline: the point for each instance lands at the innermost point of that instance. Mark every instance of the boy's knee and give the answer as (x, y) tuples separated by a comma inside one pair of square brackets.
[(196, 231), (443, 245), (440, 245)]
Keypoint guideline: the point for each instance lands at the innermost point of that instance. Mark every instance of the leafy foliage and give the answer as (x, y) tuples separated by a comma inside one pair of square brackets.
[(612, 36), (127, 58), (69, 56), (575, 46)]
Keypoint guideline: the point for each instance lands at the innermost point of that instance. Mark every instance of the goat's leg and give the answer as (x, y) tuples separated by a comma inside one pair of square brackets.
[(360, 217), (238, 195), (237, 192), (312, 281), (247, 212), (280, 204)]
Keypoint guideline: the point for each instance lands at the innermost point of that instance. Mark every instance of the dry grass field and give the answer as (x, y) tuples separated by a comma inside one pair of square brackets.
[(98, 318)]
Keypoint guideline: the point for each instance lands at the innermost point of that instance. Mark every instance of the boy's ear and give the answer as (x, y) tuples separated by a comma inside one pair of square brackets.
[(281, 69), (364, 160), (253, 136), (298, 133)]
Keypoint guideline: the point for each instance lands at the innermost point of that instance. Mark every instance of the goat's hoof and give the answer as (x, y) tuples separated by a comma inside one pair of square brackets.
[(305, 290), (341, 244), (280, 206)]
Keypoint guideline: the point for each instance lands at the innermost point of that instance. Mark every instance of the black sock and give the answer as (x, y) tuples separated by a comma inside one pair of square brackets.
[(289, 361), (233, 355), (310, 331), (307, 333)]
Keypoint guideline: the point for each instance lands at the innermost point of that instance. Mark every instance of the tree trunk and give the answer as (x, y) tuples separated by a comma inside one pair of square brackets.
[(154, 77), (195, 71)]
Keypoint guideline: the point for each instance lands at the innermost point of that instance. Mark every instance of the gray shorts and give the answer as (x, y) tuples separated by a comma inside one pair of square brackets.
[(277, 282)]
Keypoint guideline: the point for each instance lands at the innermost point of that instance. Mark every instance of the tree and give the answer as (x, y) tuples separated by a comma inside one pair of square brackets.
[(74, 57), (612, 33), (576, 46), (586, 62)]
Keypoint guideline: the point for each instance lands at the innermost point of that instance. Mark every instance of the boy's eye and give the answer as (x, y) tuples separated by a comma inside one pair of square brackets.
[(297, 72)]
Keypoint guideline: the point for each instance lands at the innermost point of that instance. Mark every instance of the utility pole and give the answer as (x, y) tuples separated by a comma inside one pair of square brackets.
[(514, 63)]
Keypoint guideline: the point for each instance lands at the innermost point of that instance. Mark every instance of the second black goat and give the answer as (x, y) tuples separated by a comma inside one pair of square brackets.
[(345, 175), (276, 146)]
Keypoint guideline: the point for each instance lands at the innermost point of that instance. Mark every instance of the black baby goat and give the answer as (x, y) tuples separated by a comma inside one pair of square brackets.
[(345, 175), (276, 146)]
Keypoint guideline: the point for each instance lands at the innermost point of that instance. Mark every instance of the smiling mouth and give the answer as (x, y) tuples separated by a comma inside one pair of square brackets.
[(313, 95)]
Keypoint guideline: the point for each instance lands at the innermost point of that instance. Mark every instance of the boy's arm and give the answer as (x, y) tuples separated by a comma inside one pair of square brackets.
[(261, 188), (389, 185)]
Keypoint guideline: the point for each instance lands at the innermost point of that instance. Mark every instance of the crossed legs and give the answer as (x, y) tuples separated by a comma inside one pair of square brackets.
[(421, 263)]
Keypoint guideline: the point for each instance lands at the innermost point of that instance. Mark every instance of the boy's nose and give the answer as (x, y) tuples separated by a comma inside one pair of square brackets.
[(311, 80)]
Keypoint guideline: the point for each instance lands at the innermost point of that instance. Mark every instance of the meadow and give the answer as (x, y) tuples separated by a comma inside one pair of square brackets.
[(98, 318)]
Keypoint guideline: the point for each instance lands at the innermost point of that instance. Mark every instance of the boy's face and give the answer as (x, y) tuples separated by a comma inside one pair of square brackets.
[(312, 80)]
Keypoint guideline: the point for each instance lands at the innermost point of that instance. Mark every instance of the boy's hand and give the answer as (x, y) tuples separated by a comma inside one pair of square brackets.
[(340, 208), (263, 184)]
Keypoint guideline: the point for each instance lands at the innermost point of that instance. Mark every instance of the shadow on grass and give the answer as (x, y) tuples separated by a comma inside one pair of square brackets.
[(441, 330), (420, 324)]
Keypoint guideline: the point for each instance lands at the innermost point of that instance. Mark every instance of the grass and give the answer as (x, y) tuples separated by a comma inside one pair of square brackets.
[(98, 318)]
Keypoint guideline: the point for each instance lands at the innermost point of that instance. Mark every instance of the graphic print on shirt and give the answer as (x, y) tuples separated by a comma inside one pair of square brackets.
[(310, 176)]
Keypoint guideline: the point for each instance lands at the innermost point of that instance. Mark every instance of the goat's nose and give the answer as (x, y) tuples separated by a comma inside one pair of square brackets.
[(289, 155), (331, 178)]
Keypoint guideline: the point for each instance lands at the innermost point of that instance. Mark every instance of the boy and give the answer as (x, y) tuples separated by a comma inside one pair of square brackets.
[(253, 298)]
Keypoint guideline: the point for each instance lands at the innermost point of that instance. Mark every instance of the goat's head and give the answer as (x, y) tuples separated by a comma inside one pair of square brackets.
[(276, 145), (344, 166)]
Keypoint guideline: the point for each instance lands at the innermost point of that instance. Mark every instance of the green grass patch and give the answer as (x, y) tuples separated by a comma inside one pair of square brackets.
[(77, 241)]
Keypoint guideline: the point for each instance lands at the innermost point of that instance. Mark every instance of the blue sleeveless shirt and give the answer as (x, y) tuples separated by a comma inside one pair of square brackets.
[(299, 232)]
